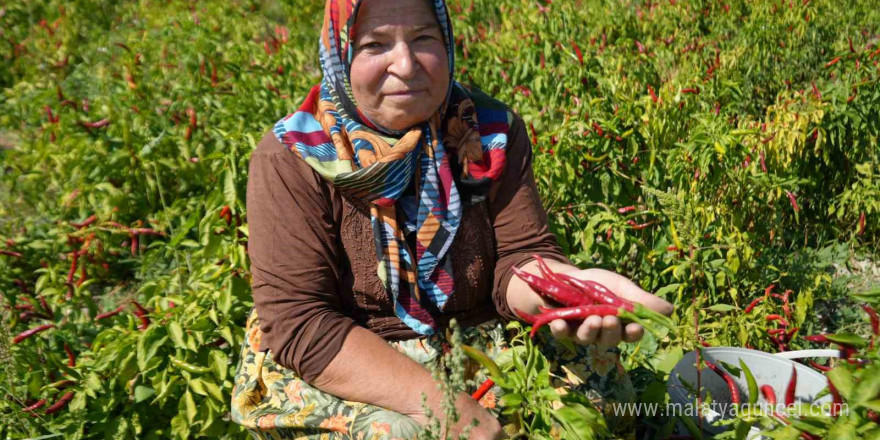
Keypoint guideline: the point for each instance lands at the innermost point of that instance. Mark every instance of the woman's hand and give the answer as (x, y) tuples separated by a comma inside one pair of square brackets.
[(488, 427), (609, 331)]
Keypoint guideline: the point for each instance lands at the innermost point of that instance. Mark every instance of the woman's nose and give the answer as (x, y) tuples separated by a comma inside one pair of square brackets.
[(403, 62)]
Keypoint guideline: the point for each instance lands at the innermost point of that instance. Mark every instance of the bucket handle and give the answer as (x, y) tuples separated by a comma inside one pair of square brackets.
[(800, 354)]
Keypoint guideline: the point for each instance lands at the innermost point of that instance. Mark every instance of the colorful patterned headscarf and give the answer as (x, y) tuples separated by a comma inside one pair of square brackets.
[(412, 230)]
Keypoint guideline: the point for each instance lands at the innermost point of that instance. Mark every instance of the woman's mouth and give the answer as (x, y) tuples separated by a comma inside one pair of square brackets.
[(404, 93)]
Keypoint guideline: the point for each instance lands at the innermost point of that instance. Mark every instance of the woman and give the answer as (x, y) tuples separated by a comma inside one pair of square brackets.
[(392, 201)]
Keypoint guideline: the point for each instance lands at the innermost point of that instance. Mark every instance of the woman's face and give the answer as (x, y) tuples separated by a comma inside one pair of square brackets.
[(400, 69)]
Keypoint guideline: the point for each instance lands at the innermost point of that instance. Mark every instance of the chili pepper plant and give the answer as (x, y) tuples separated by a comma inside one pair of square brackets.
[(704, 149)]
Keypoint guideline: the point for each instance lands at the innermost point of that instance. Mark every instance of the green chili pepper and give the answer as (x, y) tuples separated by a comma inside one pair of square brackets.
[(185, 366), (485, 361), (753, 385)]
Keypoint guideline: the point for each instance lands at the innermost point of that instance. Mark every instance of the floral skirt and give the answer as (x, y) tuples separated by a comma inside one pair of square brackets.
[(272, 402)]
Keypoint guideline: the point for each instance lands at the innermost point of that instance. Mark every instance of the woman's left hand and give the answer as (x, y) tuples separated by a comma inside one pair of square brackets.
[(609, 331)]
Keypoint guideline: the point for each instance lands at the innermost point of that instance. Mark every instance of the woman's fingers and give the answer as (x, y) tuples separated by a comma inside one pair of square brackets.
[(633, 332), (606, 331), (589, 330), (624, 287), (560, 329), (612, 332)]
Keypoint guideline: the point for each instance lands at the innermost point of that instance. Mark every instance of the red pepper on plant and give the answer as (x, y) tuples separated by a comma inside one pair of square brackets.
[(61, 403), (731, 385), (30, 332)]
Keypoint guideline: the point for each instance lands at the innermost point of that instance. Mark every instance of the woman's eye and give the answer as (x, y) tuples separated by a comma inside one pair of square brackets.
[(370, 45)]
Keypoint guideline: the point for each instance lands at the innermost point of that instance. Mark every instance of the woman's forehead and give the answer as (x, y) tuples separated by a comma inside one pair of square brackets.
[(381, 15)]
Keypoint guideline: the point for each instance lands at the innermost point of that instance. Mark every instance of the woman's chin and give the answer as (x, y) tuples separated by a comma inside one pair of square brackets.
[(401, 120)]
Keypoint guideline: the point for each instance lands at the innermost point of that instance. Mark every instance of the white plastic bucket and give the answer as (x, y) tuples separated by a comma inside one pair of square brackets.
[(768, 369)]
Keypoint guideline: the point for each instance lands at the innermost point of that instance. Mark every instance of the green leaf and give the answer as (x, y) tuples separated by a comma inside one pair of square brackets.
[(847, 339), (150, 341), (219, 363), (197, 385), (229, 192), (175, 331), (214, 391), (669, 359), (190, 405), (842, 380), (142, 393), (224, 303), (511, 400)]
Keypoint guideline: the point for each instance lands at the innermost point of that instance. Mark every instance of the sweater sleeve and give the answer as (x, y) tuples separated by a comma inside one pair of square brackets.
[(518, 217), (295, 261)]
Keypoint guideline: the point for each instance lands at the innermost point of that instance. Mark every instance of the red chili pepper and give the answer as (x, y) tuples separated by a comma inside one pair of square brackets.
[(836, 400), (832, 62), (141, 313), (775, 317), (10, 253), (577, 50), (792, 386), (226, 213), (134, 244), (30, 332), (61, 403), (819, 367), (653, 95), (862, 223), (39, 404), (695, 91), (556, 291), (546, 272), (114, 312), (641, 226), (672, 248), (97, 124), (731, 385), (483, 389), (776, 331), (71, 359), (752, 304), (597, 293), (793, 201), (640, 47), (816, 92), (763, 163), (46, 307), (626, 209), (598, 129), (571, 313), (769, 394)]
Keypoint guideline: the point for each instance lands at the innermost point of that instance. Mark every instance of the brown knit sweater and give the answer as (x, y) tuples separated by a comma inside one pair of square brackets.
[(314, 265)]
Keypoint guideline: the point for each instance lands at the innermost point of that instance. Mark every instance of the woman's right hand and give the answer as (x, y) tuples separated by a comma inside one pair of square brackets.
[(488, 429), (469, 409)]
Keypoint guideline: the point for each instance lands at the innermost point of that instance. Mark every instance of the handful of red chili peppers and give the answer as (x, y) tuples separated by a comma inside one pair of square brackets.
[(583, 298)]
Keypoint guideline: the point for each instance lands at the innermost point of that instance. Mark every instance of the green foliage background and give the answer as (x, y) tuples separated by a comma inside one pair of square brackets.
[(748, 105)]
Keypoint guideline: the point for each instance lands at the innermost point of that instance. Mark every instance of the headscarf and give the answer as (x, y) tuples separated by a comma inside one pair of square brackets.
[(412, 231)]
